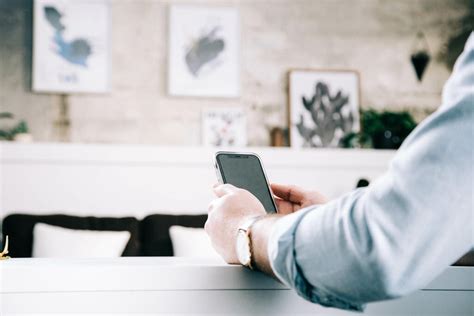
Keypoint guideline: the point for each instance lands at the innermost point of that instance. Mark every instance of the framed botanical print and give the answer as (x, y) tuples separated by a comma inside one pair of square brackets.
[(323, 107), (224, 127)]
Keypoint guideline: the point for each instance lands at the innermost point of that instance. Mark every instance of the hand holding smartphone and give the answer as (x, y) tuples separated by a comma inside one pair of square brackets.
[(245, 171)]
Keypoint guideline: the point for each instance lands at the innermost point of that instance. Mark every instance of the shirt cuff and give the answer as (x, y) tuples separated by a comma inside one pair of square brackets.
[(281, 251)]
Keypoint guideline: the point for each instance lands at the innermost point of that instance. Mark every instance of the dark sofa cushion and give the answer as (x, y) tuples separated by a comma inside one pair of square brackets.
[(155, 236), (467, 260), (19, 228)]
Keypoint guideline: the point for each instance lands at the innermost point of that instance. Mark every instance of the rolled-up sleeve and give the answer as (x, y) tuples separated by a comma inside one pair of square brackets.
[(402, 231), (283, 251)]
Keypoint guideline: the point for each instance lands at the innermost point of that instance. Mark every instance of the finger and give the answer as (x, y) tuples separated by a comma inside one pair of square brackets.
[(206, 226), (284, 207), (211, 206), (224, 189), (290, 193)]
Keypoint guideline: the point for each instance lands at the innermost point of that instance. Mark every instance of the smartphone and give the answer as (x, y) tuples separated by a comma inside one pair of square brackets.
[(245, 171)]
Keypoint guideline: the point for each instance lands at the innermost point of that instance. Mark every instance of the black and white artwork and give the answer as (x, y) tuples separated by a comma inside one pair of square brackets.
[(323, 107), (203, 51), (71, 46)]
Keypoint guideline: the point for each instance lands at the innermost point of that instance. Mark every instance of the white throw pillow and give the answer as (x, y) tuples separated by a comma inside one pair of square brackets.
[(192, 243), (58, 242)]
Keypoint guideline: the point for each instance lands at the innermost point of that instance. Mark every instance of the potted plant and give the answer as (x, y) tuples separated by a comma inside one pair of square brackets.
[(381, 130), (16, 132)]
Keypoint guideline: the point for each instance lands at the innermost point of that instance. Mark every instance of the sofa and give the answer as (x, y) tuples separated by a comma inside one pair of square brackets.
[(148, 237)]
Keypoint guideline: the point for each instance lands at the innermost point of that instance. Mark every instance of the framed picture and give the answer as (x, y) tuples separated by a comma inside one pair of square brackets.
[(204, 51), (323, 107), (225, 127), (71, 46)]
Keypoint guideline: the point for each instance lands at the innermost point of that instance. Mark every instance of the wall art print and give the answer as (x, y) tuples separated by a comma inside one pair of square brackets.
[(224, 127), (204, 51), (323, 107), (71, 46)]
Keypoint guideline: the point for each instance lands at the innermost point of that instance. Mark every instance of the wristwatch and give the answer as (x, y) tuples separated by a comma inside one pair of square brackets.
[(244, 243)]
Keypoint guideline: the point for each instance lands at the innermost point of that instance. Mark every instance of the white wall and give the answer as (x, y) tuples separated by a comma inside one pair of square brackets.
[(371, 36)]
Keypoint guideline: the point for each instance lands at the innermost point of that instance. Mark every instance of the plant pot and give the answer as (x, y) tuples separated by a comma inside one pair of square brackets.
[(23, 138), (386, 140)]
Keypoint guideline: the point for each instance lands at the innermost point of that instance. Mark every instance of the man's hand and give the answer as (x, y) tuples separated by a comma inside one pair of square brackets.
[(233, 206), (226, 213), (290, 198)]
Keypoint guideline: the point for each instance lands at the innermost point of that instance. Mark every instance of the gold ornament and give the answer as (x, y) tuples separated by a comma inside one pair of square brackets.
[(3, 254)]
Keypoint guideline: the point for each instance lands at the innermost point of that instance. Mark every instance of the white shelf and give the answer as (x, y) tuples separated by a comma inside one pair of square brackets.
[(136, 180), (112, 153)]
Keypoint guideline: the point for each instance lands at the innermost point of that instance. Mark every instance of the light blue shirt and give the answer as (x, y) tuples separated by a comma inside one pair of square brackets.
[(402, 231)]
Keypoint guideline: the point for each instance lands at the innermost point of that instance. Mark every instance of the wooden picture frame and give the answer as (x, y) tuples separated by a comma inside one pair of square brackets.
[(323, 106)]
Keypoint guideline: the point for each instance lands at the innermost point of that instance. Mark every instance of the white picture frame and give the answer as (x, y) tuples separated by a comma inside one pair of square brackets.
[(71, 48), (224, 127), (204, 49), (323, 107)]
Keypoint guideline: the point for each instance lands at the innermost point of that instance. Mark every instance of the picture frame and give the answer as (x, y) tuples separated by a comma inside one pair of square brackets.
[(204, 51), (224, 127), (70, 56), (323, 107)]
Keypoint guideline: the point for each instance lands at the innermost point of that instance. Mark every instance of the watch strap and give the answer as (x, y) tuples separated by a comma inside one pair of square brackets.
[(245, 228)]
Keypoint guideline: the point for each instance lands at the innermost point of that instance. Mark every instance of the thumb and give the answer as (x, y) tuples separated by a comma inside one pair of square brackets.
[(223, 189), (290, 193)]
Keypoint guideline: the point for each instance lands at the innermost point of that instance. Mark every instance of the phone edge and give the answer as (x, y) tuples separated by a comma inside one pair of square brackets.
[(221, 179)]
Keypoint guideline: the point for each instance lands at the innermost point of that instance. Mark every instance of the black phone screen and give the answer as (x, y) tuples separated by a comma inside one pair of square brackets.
[(245, 171)]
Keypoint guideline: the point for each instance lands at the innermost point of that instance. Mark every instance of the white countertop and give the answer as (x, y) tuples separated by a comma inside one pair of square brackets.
[(158, 273), (127, 273), (170, 286)]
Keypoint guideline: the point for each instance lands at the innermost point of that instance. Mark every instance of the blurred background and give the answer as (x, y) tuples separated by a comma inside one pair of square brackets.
[(375, 38), (111, 110)]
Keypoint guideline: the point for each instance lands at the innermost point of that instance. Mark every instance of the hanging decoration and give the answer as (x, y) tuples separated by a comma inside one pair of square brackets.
[(420, 56)]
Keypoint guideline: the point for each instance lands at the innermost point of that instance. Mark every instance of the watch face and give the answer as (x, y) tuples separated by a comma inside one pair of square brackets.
[(243, 248)]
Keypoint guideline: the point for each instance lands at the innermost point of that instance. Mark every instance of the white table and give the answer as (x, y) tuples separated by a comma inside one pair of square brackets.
[(172, 286)]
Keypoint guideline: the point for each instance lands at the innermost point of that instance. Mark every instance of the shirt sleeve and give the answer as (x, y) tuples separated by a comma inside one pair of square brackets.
[(402, 231)]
